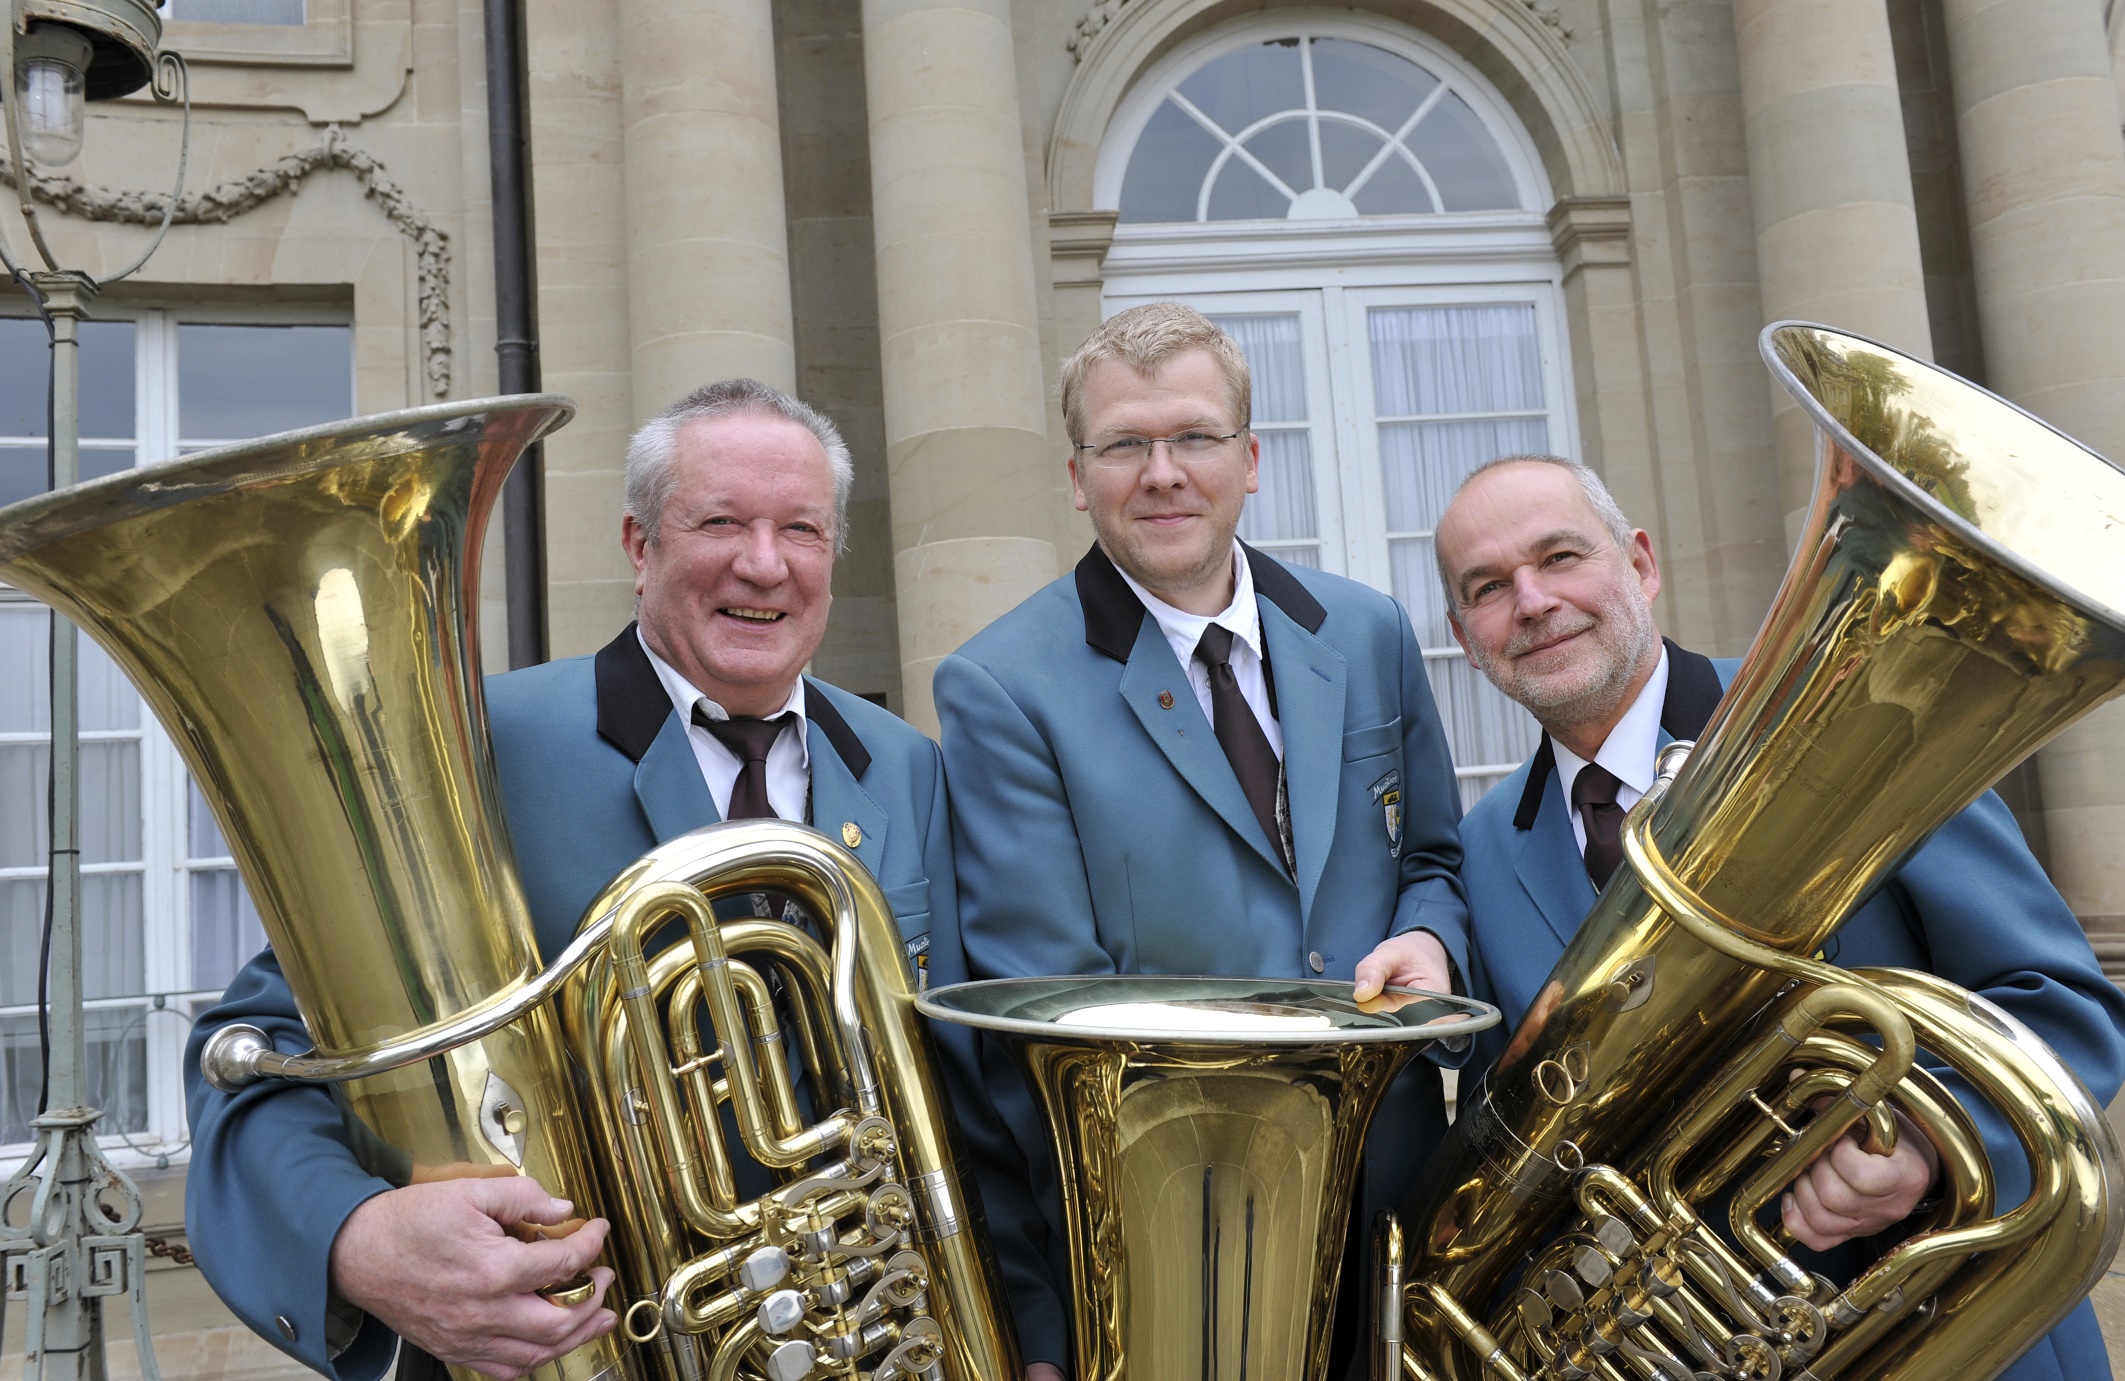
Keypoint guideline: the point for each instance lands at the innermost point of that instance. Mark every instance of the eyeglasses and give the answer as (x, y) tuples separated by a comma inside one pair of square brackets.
[(1129, 452)]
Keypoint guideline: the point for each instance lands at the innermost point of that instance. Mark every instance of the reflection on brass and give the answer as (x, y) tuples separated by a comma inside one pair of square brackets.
[(300, 612), (1208, 1134), (1954, 603)]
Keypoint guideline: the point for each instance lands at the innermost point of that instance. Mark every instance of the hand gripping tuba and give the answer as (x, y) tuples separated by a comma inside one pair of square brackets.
[(301, 613), (1955, 602)]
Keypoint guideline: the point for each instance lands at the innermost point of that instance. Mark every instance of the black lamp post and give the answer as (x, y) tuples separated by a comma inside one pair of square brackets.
[(79, 1244)]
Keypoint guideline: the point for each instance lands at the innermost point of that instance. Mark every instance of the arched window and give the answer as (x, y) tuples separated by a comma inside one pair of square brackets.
[(1313, 127), (1361, 210)]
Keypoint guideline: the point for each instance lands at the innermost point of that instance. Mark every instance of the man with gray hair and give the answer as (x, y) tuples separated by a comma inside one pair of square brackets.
[(697, 712), (1551, 594)]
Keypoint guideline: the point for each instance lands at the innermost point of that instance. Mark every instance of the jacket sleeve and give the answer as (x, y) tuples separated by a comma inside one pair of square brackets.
[(1007, 791), (1431, 896), (1992, 922), (273, 1176)]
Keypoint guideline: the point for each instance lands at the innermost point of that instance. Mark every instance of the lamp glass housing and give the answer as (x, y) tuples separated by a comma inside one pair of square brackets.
[(48, 98)]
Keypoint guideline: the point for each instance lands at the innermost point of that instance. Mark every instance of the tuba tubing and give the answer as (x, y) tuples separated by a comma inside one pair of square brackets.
[(1954, 602)]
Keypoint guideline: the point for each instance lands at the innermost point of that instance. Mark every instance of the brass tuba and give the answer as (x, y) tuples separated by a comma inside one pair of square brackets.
[(1955, 601), (301, 613)]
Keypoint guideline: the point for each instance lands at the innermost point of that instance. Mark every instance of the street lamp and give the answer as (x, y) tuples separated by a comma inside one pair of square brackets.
[(79, 1243)]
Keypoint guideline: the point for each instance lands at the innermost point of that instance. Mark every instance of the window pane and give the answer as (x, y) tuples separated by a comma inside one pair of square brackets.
[(225, 927), (1167, 167), (21, 938), (1428, 360), (1368, 82), (1242, 194), (25, 472), (21, 1072), (117, 1070), (1284, 508), (1394, 189), (106, 697), (1463, 159), (238, 11), (98, 461), (109, 777), (113, 962), (1422, 463), (23, 840), (237, 382), (1484, 727), (1345, 150), (25, 674), (1240, 88), (106, 381), (202, 832), (24, 360), (1275, 360), (1285, 150)]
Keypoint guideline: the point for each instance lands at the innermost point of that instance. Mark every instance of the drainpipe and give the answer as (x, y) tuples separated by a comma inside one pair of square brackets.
[(516, 344)]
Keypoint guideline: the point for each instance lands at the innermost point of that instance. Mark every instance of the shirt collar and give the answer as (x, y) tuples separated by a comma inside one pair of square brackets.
[(1242, 616), (1633, 746), (684, 697)]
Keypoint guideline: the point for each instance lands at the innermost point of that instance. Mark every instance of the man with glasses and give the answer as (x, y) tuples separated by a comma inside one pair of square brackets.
[(1188, 757)]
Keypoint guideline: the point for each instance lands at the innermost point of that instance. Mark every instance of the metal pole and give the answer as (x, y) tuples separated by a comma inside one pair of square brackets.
[(516, 343)]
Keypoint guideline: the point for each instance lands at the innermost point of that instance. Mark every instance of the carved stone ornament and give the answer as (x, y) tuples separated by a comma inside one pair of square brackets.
[(233, 198), (1549, 13), (1089, 26)]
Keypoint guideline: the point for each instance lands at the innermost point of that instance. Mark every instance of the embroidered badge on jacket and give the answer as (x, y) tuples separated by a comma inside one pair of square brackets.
[(1387, 794)]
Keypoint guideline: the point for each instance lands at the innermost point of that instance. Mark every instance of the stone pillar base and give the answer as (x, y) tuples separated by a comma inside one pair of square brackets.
[(949, 591)]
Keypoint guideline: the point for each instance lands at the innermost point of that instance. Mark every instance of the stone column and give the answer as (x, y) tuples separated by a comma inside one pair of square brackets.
[(708, 287), (1836, 236), (967, 446), (2044, 173)]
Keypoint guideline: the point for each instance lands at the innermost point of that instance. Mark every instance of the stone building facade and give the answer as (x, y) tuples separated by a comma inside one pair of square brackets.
[(1442, 228)]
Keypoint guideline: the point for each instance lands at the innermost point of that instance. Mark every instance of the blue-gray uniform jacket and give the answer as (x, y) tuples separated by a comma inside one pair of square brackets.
[(595, 769), (1972, 906), (1099, 828)]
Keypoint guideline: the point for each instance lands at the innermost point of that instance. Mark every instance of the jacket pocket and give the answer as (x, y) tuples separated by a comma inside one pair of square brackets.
[(1380, 739)]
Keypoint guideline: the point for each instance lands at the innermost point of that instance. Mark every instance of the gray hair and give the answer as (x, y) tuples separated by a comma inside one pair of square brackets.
[(1597, 496), (650, 451)]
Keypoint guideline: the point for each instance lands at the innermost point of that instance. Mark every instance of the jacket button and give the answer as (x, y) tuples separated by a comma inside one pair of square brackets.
[(1314, 961), (287, 1327)]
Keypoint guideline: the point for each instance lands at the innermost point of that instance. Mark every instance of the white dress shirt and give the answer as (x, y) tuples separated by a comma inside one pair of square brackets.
[(1184, 630), (789, 761), (1629, 751)]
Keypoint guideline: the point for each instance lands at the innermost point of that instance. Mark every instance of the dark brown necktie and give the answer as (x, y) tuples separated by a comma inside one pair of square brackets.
[(1594, 797), (1246, 747), (749, 739)]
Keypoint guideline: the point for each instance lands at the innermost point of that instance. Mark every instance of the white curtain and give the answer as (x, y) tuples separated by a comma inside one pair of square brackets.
[(1284, 516), (1436, 372)]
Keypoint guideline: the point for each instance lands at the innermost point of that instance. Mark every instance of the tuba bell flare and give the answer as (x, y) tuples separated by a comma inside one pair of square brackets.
[(1957, 598)]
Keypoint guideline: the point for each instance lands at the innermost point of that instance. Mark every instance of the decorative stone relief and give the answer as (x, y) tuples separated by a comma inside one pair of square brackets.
[(1089, 26), (231, 199), (1548, 12)]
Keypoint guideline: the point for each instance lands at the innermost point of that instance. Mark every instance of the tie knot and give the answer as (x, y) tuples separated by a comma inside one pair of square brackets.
[(1214, 648), (1594, 786), (748, 738)]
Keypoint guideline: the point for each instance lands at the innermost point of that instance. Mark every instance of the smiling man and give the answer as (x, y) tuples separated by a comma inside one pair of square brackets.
[(697, 712), (1188, 757), (1551, 591)]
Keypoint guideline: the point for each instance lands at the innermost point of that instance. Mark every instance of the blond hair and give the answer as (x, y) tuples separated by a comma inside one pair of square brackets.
[(1144, 338)]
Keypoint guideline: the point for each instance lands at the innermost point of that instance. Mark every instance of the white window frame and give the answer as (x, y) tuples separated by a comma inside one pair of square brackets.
[(170, 999)]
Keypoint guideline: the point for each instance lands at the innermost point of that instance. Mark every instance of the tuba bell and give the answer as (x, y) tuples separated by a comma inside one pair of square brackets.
[(301, 614), (1955, 601)]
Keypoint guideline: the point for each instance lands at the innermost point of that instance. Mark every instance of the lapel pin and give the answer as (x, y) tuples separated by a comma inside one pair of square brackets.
[(1165, 700), (851, 833)]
